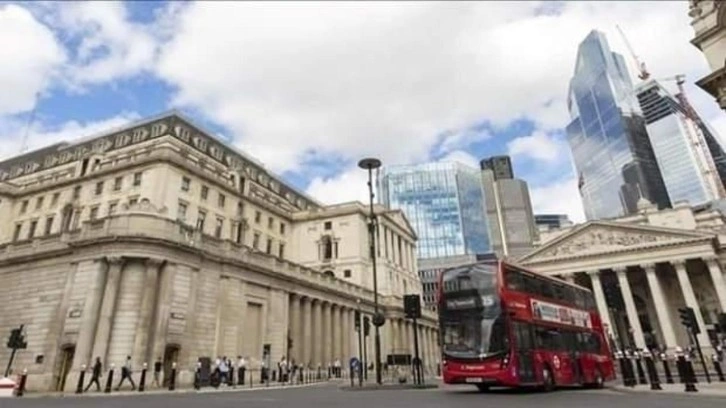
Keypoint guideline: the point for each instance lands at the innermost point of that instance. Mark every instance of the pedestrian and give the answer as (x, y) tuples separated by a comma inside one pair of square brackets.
[(96, 375), (157, 372), (223, 371), (241, 368), (126, 372)]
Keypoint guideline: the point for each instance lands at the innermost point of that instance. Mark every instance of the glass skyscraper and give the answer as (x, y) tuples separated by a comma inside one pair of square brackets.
[(445, 204), (690, 158), (613, 156)]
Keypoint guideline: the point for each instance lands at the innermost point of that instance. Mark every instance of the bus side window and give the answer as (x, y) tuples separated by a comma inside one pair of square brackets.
[(514, 280), (590, 301)]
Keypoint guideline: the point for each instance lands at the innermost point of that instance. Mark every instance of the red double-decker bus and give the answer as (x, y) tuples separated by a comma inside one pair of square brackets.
[(502, 325)]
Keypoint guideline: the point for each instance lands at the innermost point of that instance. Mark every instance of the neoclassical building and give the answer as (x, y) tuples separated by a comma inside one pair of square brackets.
[(709, 25), (157, 240), (642, 268)]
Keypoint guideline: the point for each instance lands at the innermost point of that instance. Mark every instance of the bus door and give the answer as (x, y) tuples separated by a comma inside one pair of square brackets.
[(524, 351), (575, 356)]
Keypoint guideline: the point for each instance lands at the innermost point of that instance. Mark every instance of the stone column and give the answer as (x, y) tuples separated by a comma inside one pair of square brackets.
[(342, 331), (714, 268), (630, 308), (335, 332), (318, 339), (570, 278), (295, 329), (307, 330), (142, 341), (108, 307), (89, 315), (601, 302), (690, 298), (661, 307), (328, 330), (162, 311)]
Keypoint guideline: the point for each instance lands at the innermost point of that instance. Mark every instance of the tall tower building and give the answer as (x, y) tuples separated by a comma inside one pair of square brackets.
[(613, 156), (691, 160), (512, 228), (444, 203)]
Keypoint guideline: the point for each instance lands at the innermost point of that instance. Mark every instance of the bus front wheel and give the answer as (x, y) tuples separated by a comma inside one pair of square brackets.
[(482, 387)]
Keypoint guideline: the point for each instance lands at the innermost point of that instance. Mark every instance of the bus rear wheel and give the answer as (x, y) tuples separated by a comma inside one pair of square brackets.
[(598, 382), (482, 387)]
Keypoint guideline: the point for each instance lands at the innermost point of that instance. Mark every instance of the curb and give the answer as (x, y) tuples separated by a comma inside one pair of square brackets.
[(206, 390), (700, 393)]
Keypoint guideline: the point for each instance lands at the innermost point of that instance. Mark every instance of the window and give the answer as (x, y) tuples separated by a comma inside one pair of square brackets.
[(18, 229), (328, 225), (327, 248), (221, 199), (31, 230), (282, 228), (201, 217), (99, 188), (238, 233), (118, 183), (133, 201), (256, 241), (346, 273), (112, 208), (137, 179), (258, 217), (94, 213), (270, 222), (54, 200), (39, 203), (205, 192), (181, 211), (218, 228), (49, 225), (76, 192), (269, 246), (240, 208), (281, 250), (186, 182), (24, 207)]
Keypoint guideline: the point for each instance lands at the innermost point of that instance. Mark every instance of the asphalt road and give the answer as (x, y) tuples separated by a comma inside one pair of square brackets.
[(330, 396)]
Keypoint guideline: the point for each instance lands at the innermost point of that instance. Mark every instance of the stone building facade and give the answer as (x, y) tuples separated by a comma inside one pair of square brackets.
[(643, 268), (157, 240), (709, 25)]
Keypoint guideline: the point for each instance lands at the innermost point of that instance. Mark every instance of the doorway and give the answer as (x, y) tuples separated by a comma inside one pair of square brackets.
[(65, 361), (171, 355)]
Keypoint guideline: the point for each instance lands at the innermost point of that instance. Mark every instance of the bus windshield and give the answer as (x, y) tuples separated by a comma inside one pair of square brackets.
[(471, 319)]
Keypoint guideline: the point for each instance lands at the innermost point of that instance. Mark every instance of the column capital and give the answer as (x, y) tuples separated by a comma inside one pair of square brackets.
[(648, 267), (620, 270), (154, 262), (679, 264), (595, 272), (115, 260), (711, 260)]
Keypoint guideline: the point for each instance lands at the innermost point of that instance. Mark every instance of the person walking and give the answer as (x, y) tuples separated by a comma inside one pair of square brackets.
[(157, 372), (241, 368), (96, 375), (126, 372), (223, 371)]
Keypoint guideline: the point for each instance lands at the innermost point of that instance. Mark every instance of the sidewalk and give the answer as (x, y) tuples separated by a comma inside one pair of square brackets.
[(157, 391), (714, 389)]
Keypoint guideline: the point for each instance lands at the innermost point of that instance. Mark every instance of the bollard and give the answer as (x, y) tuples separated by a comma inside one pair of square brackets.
[(639, 366), (109, 380), (717, 367), (81, 377), (619, 356), (666, 368), (142, 381), (683, 369), (629, 371), (172, 380), (652, 373), (21, 386), (230, 377)]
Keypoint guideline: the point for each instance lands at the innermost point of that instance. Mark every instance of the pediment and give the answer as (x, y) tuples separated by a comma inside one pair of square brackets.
[(599, 237), (400, 218)]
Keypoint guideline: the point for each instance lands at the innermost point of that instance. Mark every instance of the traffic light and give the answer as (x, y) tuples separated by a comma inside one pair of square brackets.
[(17, 339), (688, 319), (366, 326), (357, 320), (412, 306)]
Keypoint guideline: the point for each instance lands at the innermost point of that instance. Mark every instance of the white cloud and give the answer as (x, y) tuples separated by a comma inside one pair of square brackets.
[(29, 53), (386, 79), (12, 132), (538, 146), (460, 156), (560, 197), (349, 185)]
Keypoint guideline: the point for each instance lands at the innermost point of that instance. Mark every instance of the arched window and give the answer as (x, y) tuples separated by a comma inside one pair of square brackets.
[(327, 247), (329, 273)]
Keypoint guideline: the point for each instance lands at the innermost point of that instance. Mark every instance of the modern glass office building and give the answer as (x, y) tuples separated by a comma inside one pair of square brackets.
[(444, 203), (689, 156), (612, 153)]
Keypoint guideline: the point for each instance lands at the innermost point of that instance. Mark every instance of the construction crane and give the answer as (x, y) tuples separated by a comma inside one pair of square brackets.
[(704, 159), (643, 73)]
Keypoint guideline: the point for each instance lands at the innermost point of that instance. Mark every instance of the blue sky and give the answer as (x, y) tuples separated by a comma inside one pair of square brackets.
[(310, 88)]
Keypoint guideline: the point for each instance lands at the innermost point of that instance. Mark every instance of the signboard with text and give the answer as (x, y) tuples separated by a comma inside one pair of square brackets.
[(553, 313)]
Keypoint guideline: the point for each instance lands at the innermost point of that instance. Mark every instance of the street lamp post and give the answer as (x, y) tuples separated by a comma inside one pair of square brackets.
[(378, 319)]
